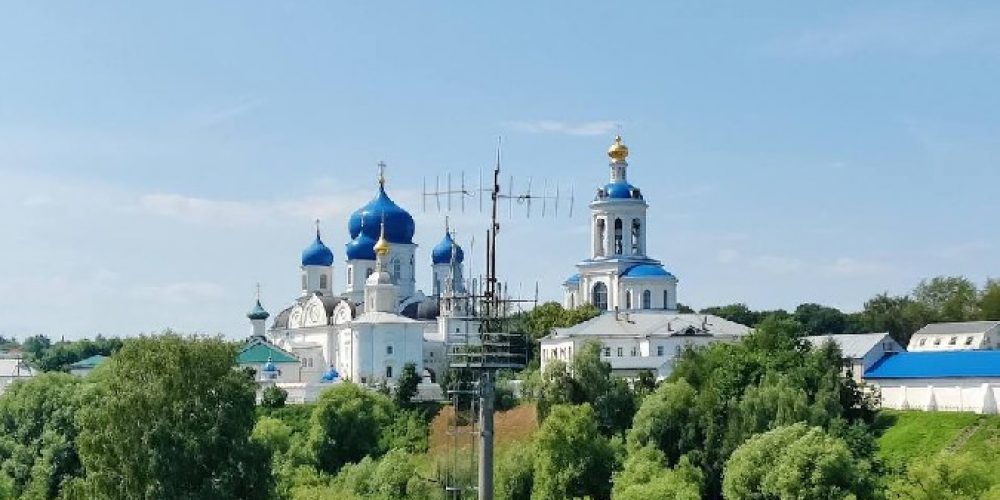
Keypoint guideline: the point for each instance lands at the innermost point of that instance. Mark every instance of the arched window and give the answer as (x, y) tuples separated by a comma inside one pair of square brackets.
[(628, 299), (322, 282), (636, 229), (618, 236), (396, 268), (601, 232), (666, 299), (572, 301), (647, 299), (600, 296)]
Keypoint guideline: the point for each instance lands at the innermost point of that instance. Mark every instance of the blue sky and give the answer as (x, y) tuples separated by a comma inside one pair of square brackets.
[(157, 160)]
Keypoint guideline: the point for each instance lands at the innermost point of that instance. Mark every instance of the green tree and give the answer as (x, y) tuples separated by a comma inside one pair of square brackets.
[(348, 424), (406, 386), (795, 462), (900, 316), (737, 313), (668, 421), (515, 475), (273, 397), (950, 298), (182, 415), (555, 387), (611, 397), (273, 434), (945, 476), (645, 476), (989, 300), (38, 433), (573, 459), (820, 320)]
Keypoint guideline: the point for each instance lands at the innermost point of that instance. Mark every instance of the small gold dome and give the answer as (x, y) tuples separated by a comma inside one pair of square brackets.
[(618, 151), (381, 246)]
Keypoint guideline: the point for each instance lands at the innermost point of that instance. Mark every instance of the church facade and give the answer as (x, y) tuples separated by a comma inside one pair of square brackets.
[(367, 328)]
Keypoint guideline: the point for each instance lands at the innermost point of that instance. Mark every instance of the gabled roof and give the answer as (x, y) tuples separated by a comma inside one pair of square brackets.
[(957, 328), (855, 345), (258, 350), (89, 363), (937, 364), (648, 322)]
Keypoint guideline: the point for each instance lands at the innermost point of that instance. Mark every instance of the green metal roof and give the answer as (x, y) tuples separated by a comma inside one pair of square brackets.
[(91, 362), (257, 353)]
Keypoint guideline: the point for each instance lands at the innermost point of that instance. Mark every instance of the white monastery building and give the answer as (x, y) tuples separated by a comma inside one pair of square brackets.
[(965, 336), (639, 328), (367, 328), (860, 351)]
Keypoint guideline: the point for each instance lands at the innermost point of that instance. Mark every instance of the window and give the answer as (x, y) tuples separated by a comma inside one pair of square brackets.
[(937, 340), (350, 275), (368, 272), (659, 350), (636, 228), (388, 349), (628, 299), (396, 268), (922, 342), (601, 233), (388, 372), (322, 282), (968, 340), (571, 301), (600, 296), (303, 282), (647, 299), (619, 352), (310, 362), (432, 354), (618, 236), (635, 351), (953, 341), (666, 299), (607, 352)]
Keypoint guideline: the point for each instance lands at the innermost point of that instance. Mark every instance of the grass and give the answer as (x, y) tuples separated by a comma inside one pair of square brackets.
[(913, 436)]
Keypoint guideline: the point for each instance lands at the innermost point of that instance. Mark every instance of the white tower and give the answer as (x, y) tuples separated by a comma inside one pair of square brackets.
[(258, 316), (619, 274), (380, 290)]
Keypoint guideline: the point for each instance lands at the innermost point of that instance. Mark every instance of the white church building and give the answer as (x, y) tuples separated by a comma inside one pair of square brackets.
[(639, 328), (376, 323)]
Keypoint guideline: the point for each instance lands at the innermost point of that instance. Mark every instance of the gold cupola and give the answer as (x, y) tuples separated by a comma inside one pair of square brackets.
[(381, 246), (618, 151)]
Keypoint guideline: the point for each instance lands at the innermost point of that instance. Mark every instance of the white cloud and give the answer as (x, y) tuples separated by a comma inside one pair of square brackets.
[(728, 256), (200, 210), (597, 127), (226, 112)]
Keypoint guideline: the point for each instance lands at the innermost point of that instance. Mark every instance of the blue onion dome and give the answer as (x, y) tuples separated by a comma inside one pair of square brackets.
[(620, 190), (361, 248), (330, 375), (441, 254), (399, 226), (258, 312), (270, 367), (317, 254)]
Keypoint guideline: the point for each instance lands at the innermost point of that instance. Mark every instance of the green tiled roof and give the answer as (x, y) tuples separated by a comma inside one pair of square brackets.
[(258, 353), (88, 363)]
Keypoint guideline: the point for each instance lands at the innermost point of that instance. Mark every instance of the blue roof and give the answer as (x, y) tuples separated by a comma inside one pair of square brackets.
[(646, 271), (441, 254), (622, 190), (361, 248), (399, 225), (258, 312), (317, 254), (941, 364), (573, 279)]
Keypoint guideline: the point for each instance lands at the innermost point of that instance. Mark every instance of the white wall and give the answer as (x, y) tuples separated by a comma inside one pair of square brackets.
[(946, 394)]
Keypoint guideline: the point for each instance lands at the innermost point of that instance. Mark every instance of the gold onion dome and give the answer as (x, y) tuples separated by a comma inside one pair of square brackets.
[(381, 246), (618, 151)]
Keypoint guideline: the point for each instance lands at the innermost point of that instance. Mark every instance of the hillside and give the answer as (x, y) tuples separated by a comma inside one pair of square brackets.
[(914, 436)]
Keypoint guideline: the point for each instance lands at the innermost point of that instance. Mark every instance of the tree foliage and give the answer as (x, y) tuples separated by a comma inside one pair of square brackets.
[(795, 462), (273, 397), (406, 386), (38, 433), (348, 424), (182, 415), (572, 458), (645, 476)]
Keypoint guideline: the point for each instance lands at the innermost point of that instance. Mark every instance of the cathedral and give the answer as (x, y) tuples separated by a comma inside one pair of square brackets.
[(376, 322)]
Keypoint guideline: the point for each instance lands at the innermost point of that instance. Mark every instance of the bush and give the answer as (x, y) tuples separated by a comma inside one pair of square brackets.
[(273, 397)]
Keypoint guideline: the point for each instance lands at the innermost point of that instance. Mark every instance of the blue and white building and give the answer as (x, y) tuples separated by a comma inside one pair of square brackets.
[(369, 326), (619, 274), (640, 328), (956, 380)]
